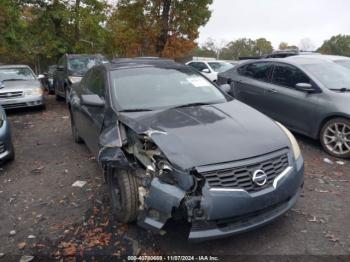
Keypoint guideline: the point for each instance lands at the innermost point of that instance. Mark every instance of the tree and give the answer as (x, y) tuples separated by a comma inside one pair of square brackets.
[(336, 45), (158, 27), (306, 44), (11, 26), (283, 46), (246, 47), (262, 47)]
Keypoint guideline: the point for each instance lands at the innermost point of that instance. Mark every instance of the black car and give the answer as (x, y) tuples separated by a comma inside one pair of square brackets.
[(70, 69), (308, 94), (7, 152), (171, 144)]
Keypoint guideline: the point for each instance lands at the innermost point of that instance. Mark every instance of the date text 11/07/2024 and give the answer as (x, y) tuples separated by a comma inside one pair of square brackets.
[(173, 258)]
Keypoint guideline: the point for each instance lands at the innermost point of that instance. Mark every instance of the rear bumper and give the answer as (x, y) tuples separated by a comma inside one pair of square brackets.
[(28, 101)]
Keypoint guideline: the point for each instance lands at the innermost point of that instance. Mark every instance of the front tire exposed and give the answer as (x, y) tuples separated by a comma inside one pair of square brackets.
[(335, 137), (123, 194)]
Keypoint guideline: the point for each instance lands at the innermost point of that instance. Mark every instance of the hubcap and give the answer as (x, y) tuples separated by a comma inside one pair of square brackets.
[(337, 138)]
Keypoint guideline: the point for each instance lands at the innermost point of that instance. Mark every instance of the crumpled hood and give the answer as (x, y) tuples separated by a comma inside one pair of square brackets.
[(204, 135), (20, 85)]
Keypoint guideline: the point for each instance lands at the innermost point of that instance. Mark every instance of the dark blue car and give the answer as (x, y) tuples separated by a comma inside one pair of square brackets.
[(6, 147)]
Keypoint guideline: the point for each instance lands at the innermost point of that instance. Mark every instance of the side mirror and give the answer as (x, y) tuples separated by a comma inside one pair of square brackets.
[(226, 88), (60, 68), (92, 100), (41, 76), (305, 87), (205, 70)]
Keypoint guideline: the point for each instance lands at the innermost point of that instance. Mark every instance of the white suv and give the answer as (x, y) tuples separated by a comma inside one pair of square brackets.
[(210, 68)]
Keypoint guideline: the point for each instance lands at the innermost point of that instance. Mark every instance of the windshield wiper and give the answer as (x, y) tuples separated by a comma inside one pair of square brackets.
[(135, 110), (344, 89)]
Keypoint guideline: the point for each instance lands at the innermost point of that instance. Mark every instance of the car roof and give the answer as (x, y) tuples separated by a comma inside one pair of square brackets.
[(84, 55), (123, 63), (328, 57), (14, 66), (297, 60)]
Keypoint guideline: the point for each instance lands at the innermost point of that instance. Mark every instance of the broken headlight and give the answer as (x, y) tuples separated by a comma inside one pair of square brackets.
[(165, 172)]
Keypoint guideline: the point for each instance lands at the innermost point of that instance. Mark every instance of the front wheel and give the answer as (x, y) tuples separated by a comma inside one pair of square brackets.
[(123, 194), (335, 137)]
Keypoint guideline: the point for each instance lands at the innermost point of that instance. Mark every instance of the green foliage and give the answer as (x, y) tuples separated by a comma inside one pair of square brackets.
[(337, 45), (246, 47)]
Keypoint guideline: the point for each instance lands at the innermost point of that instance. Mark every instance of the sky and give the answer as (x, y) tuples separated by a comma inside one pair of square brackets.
[(277, 20)]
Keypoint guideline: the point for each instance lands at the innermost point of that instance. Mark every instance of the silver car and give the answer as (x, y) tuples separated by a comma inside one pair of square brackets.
[(20, 87)]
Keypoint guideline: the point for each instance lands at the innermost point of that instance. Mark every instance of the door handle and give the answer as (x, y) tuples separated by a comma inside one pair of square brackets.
[(272, 91)]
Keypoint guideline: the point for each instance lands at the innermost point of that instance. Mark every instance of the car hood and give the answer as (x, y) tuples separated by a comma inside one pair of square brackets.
[(203, 135), (20, 85)]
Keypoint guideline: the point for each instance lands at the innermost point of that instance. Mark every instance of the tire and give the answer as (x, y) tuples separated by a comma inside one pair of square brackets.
[(75, 133), (335, 137), (123, 195)]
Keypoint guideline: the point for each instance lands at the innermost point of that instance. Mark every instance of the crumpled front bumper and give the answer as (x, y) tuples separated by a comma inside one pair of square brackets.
[(226, 212)]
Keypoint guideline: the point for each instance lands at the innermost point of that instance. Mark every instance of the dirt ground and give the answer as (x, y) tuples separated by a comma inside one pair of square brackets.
[(42, 215)]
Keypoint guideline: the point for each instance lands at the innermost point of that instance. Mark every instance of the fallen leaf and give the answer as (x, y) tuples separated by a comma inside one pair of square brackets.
[(22, 245)]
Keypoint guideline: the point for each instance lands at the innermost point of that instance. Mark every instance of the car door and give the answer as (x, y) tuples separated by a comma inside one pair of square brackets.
[(91, 116), (251, 82), (284, 103)]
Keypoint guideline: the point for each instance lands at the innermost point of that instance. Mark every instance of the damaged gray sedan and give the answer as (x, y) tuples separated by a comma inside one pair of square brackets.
[(173, 145)]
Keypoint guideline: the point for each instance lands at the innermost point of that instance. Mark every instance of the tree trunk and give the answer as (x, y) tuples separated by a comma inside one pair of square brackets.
[(77, 20), (164, 27)]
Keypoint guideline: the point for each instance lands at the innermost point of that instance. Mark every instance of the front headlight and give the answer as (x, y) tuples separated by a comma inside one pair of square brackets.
[(293, 141), (34, 91), (74, 79)]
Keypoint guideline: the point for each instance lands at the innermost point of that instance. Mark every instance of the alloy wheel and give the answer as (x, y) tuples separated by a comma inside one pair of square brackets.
[(337, 138)]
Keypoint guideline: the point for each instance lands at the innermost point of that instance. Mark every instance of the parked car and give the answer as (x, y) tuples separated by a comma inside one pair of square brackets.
[(20, 87), (7, 152), (210, 68), (340, 60), (70, 69), (48, 80), (172, 144), (309, 95)]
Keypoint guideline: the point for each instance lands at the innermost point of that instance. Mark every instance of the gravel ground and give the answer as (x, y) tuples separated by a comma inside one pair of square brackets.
[(41, 214)]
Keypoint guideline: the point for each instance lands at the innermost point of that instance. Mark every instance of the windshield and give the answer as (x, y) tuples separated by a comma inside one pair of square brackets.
[(79, 65), (154, 88), (12, 74), (344, 63), (331, 75), (220, 66)]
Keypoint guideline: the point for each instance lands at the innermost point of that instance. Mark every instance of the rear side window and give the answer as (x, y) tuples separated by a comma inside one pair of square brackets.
[(288, 76), (259, 71)]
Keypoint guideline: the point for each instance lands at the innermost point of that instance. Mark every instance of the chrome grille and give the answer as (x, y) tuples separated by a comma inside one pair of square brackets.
[(240, 177), (13, 94)]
